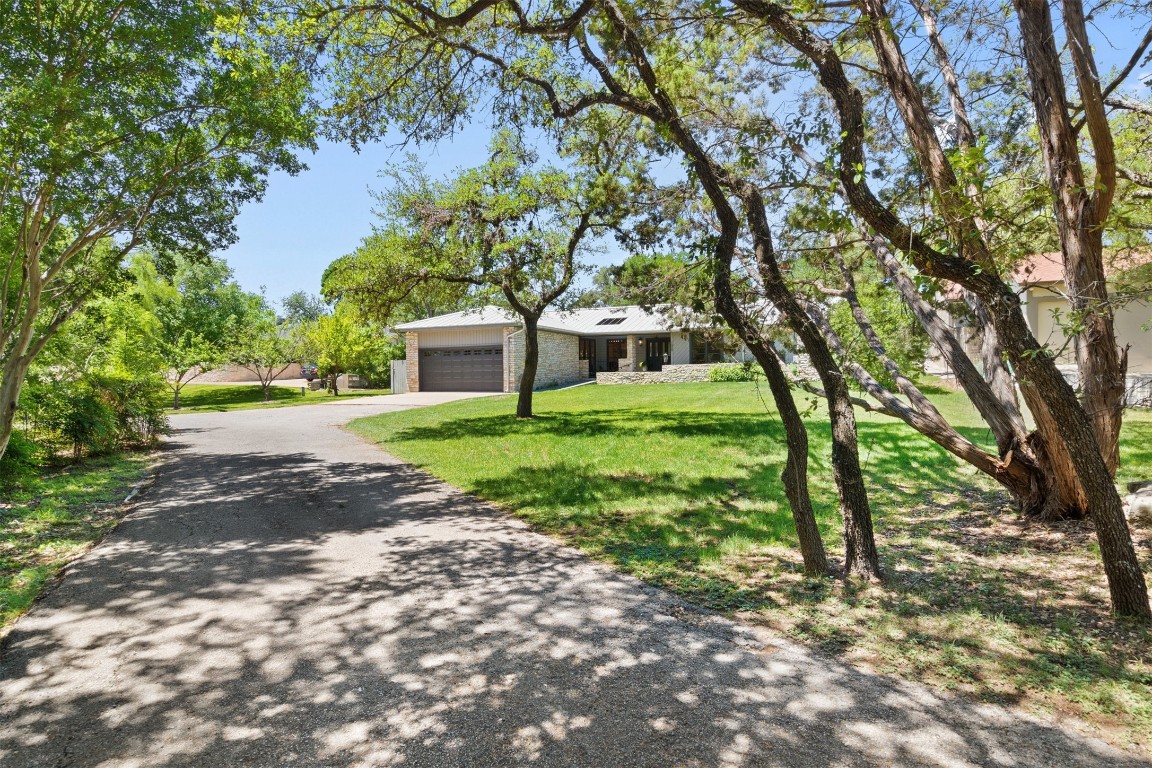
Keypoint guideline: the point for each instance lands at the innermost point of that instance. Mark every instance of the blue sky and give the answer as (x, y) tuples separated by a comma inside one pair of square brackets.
[(305, 222)]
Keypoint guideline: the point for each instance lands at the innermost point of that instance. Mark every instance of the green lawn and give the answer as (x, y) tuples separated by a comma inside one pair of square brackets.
[(234, 397), (678, 484), (49, 519)]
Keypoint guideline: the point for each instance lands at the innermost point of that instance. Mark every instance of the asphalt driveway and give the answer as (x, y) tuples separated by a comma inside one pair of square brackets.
[(286, 594)]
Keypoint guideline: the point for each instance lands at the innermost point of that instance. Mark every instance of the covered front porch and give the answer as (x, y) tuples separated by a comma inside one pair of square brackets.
[(633, 352)]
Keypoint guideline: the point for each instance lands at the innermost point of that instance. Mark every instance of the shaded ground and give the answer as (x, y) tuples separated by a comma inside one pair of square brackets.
[(679, 485), (286, 593)]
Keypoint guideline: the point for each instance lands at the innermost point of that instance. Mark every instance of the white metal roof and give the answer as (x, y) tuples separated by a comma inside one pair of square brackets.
[(596, 321), (469, 318), (610, 321)]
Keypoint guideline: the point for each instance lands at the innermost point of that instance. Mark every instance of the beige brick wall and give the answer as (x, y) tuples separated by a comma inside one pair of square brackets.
[(240, 374), (412, 358)]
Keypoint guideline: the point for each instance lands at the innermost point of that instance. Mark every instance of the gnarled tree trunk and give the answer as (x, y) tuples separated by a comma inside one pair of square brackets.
[(795, 474), (860, 556)]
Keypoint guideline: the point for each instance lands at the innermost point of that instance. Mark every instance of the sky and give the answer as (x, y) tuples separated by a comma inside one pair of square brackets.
[(305, 222)]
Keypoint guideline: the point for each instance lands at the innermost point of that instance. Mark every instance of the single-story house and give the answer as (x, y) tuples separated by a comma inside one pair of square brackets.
[(483, 349)]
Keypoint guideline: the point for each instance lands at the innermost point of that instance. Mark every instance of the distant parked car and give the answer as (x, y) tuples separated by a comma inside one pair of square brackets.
[(310, 372)]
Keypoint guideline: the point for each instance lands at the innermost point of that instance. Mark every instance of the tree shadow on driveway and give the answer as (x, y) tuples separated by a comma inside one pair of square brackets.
[(274, 608)]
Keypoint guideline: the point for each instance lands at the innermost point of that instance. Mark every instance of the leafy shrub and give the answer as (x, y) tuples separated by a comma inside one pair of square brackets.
[(375, 370), (86, 421), (20, 459), (736, 372), (94, 414), (138, 403)]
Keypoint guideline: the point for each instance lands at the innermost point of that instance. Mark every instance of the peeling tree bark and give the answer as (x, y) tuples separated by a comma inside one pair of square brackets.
[(1081, 210)]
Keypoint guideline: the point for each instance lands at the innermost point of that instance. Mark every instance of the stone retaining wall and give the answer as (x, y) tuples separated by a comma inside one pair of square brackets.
[(671, 374)]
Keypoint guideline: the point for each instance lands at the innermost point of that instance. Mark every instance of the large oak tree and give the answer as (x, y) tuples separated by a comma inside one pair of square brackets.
[(659, 62)]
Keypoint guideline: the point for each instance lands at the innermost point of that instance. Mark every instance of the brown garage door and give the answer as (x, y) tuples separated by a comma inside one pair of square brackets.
[(467, 369)]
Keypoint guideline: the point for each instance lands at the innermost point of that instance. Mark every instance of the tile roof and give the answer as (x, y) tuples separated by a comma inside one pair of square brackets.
[(1040, 268), (1048, 268)]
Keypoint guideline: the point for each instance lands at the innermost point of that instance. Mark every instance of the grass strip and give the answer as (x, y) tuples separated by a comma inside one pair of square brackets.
[(197, 398), (49, 519)]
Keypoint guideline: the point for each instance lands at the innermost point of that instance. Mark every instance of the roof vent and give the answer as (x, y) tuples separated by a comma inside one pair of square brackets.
[(611, 321)]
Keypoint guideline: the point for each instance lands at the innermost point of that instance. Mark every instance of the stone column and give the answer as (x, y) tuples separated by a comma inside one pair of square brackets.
[(635, 353), (412, 360)]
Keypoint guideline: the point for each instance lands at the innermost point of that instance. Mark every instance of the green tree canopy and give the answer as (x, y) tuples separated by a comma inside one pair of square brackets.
[(194, 321), (124, 123), (343, 341)]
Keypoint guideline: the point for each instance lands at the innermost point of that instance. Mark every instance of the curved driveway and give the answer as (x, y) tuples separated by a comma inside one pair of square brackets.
[(286, 594)]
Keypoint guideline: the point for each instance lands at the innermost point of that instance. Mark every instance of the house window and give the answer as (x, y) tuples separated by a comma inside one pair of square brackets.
[(713, 346), (617, 348), (587, 349)]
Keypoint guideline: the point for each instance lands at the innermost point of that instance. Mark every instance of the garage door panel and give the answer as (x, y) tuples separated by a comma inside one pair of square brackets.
[(462, 369)]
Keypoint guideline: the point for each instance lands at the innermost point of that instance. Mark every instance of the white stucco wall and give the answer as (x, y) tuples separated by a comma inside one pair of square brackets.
[(680, 349), (1043, 310), (1131, 321)]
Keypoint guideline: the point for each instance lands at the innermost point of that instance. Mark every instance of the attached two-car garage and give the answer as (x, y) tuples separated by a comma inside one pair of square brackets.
[(462, 369)]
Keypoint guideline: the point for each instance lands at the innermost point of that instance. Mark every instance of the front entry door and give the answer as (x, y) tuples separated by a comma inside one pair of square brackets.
[(656, 351)]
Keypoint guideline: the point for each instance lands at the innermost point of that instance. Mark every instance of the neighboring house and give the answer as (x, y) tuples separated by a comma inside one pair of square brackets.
[(483, 349), (1041, 279), (1046, 309)]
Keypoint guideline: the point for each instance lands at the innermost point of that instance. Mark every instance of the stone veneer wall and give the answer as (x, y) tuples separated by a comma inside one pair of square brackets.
[(802, 367), (412, 359), (559, 364), (671, 374)]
